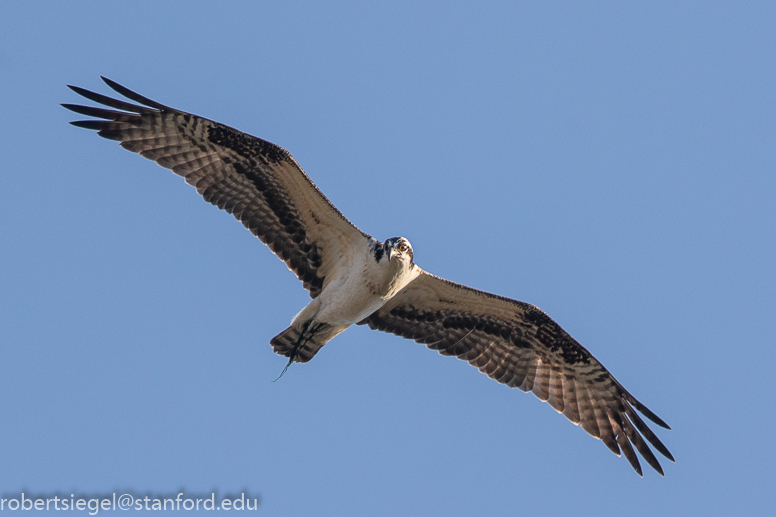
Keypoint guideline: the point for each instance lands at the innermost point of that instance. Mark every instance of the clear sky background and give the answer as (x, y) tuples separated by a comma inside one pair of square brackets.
[(612, 163)]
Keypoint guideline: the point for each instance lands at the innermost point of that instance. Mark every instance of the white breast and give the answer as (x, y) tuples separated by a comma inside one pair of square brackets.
[(356, 293)]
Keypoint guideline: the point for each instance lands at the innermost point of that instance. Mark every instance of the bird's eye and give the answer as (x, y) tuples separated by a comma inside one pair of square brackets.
[(402, 247)]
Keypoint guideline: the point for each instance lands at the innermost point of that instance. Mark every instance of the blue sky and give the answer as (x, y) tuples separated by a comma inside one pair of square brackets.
[(611, 163)]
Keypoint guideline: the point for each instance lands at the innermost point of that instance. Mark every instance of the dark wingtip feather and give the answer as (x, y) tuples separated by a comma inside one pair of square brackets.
[(129, 94), (647, 432), (90, 124), (644, 410), (632, 459), (95, 112), (627, 451), (643, 448), (83, 92), (610, 441), (107, 101)]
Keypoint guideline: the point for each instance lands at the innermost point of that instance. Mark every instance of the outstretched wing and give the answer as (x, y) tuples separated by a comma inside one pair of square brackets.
[(258, 182), (518, 345)]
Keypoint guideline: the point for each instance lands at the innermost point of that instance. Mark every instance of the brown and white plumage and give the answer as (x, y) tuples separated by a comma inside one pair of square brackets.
[(258, 182), (517, 344), (353, 278)]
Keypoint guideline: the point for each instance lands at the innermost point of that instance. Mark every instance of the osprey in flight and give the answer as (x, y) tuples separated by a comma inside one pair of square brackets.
[(354, 278)]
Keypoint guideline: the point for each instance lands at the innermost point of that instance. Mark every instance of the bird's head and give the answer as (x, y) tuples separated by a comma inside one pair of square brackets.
[(398, 249)]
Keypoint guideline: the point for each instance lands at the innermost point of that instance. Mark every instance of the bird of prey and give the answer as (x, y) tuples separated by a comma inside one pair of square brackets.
[(354, 278)]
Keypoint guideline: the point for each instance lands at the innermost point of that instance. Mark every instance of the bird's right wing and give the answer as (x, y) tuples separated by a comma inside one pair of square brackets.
[(517, 344), (258, 182)]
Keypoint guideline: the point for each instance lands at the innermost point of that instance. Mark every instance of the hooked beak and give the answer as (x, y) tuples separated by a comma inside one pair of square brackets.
[(389, 251)]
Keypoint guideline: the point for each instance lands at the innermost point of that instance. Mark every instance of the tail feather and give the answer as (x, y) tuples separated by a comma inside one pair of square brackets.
[(285, 342), (307, 340)]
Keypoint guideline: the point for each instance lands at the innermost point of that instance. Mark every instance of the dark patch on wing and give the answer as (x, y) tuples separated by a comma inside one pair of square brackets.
[(246, 146), (557, 341), (378, 252), (286, 235)]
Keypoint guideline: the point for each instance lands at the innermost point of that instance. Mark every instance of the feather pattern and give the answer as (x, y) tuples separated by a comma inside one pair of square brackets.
[(517, 344), (258, 182)]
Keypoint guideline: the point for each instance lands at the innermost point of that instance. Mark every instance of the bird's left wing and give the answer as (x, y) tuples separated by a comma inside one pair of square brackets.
[(258, 182), (518, 345)]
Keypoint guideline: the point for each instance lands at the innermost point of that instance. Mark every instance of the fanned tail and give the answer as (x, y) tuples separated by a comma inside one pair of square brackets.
[(301, 344)]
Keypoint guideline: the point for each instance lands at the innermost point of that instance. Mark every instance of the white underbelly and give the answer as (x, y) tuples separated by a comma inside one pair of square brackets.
[(347, 303), (355, 292)]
